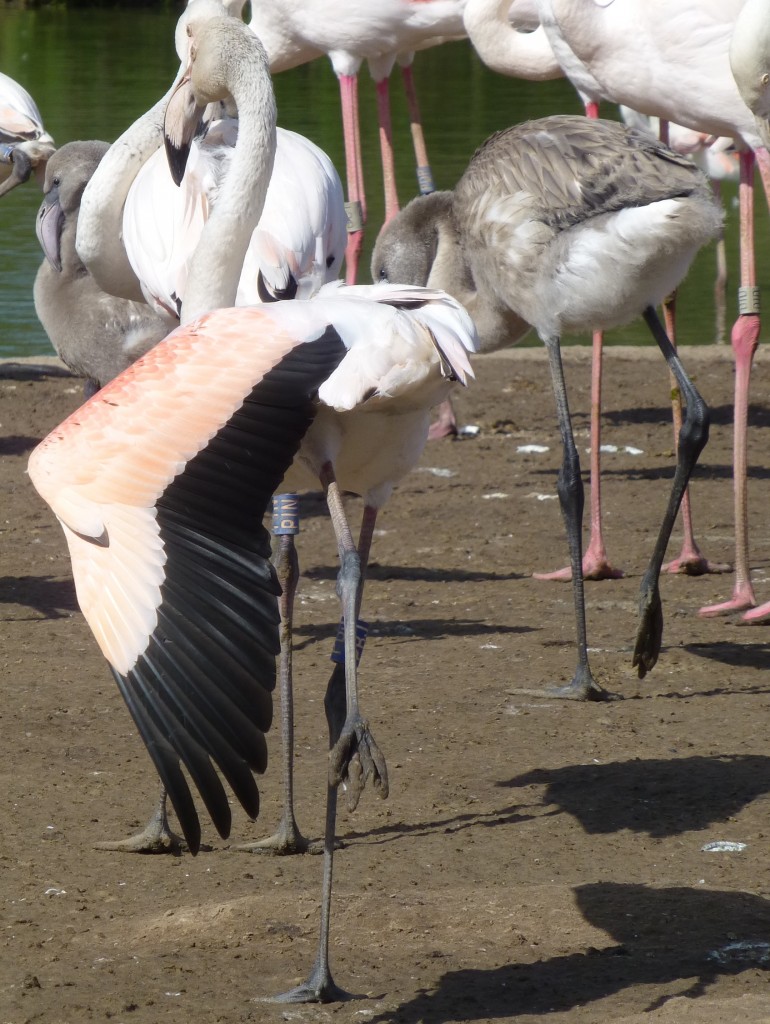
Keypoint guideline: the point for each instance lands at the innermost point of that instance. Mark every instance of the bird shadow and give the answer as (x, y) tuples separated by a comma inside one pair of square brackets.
[(721, 416), (17, 444), (51, 598), (32, 371), (415, 629), (386, 573), (744, 655), (661, 937), (657, 797), (396, 831)]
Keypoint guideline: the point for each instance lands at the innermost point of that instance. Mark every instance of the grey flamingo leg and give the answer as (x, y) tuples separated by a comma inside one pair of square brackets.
[(155, 837), (571, 498), (354, 756), (287, 839), (692, 440)]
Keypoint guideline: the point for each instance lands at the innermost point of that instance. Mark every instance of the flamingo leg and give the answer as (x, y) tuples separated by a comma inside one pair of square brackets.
[(424, 173), (353, 754), (692, 440), (690, 561), (596, 565), (762, 612), (445, 424), (386, 149), (744, 339), (356, 204), (720, 282), (571, 498), (155, 837), (287, 839)]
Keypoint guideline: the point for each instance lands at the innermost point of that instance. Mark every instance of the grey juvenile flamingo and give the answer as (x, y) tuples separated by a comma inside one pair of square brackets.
[(96, 334), (568, 223)]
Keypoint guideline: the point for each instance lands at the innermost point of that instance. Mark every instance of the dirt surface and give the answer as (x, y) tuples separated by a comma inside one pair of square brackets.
[(536, 860)]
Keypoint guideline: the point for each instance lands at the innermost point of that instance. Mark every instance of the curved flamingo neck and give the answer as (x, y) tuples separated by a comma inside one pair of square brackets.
[(215, 268), (506, 50)]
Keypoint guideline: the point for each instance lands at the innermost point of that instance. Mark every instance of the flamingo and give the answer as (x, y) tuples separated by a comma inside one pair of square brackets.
[(684, 75), (569, 222), (521, 39), (516, 40), (349, 31), (161, 501), (25, 145), (221, 50), (137, 230), (223, 62), (97, 335)]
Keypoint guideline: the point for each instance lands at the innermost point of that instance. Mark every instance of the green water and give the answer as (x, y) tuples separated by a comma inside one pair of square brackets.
[(92, 72)]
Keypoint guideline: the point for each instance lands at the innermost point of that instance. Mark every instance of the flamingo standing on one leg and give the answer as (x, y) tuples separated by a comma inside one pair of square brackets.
[(25, 145), (569, 222), (161, 501), (350, 31)]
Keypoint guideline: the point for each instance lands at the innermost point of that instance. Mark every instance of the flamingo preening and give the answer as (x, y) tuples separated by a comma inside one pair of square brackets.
[(569, 223), (138, 228), (25, 145)]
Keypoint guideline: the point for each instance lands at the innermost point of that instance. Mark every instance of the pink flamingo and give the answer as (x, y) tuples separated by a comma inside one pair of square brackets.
[(349, 32)]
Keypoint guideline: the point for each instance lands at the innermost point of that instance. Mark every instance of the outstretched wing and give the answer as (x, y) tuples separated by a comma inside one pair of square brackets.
[(161, 482)]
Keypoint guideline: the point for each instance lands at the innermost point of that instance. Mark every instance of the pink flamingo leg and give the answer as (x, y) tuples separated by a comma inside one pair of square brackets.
[(424, 172), (690, 561), (744, 338), (720, 282), (595, 563), (356, 204), (762, 613), (386, 149)]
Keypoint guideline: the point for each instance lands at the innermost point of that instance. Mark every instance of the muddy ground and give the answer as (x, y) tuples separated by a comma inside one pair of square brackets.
[(535, 861)]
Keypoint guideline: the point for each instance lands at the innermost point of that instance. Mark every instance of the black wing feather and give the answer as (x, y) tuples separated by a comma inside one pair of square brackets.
[(200, 693)]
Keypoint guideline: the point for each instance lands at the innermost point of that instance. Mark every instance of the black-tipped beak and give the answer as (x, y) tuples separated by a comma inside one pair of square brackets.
[(179, 127), (49, 224)]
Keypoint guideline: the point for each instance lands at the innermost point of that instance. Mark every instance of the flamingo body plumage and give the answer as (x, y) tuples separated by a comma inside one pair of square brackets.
[(297, 245)]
